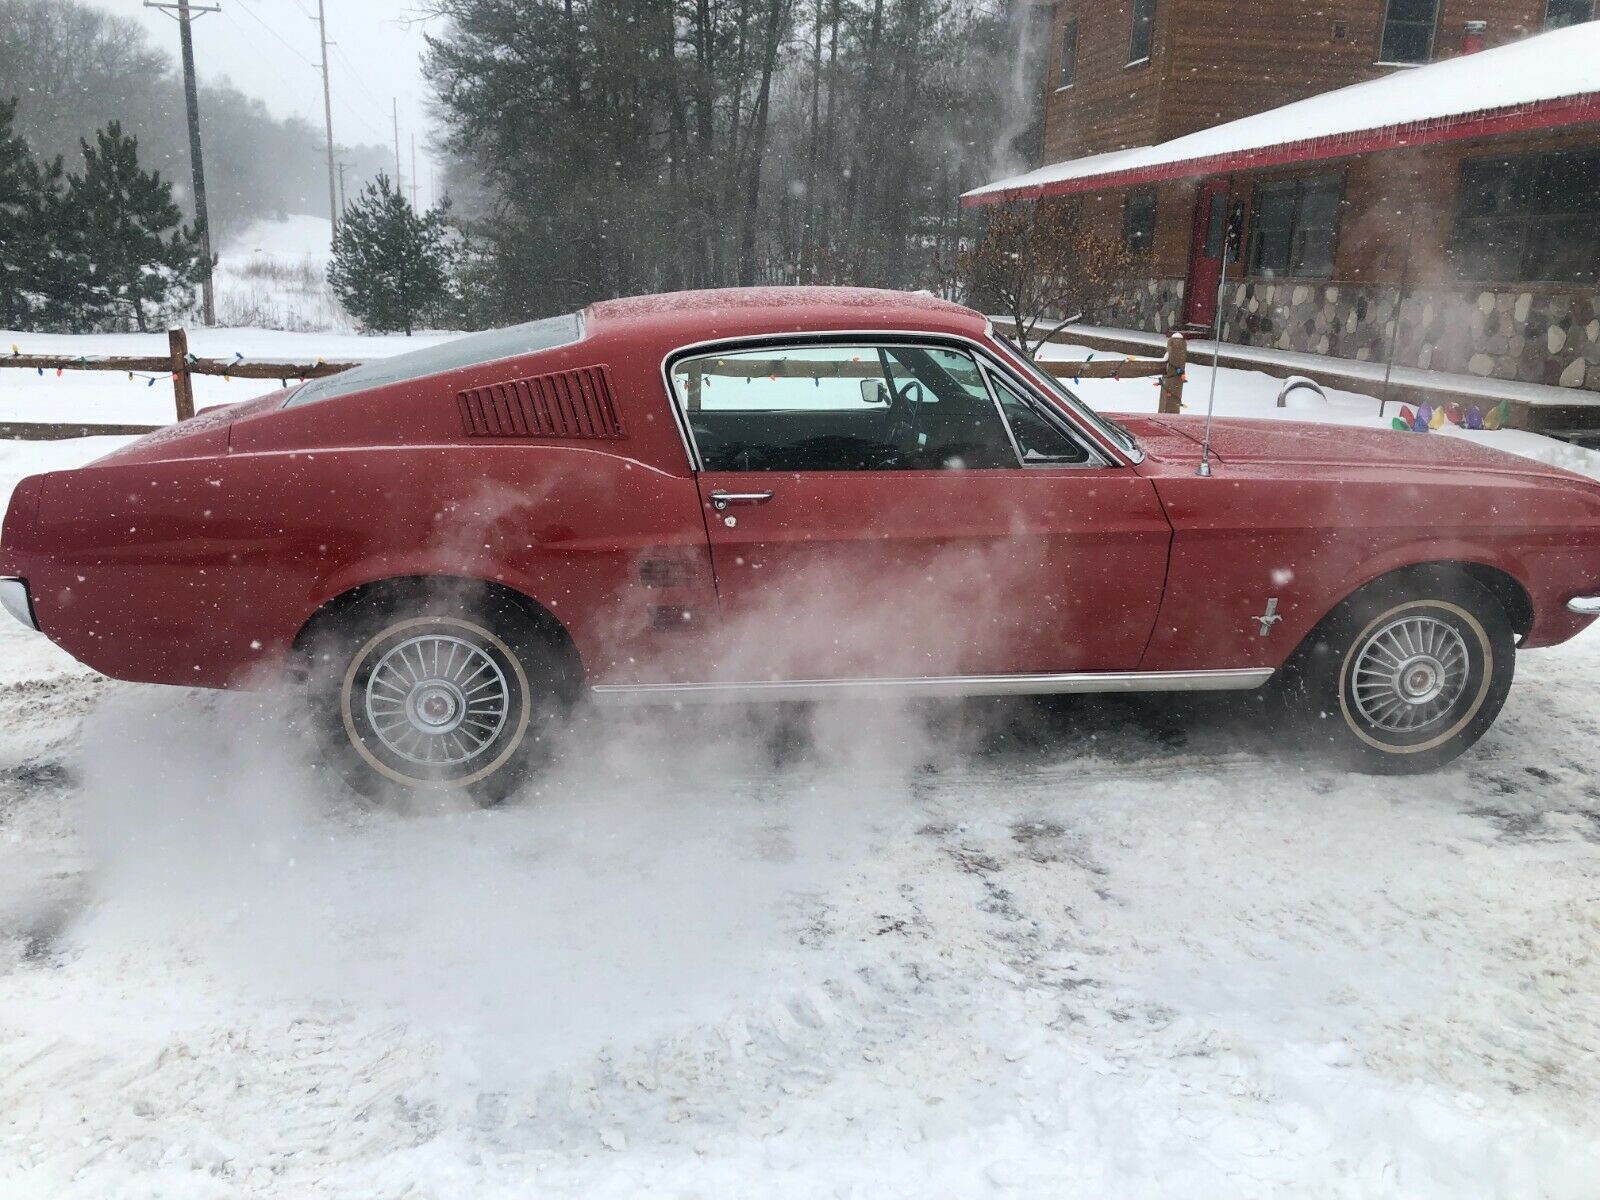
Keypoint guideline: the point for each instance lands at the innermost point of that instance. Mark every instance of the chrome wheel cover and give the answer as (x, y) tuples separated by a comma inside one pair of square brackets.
[(437, 700), (1409, 674)]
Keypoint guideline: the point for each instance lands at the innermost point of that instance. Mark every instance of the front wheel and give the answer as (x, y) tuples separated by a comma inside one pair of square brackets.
[(1408, 673)]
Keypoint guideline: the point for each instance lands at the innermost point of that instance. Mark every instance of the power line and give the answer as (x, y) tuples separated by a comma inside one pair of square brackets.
[(355, 77), (278, 36), (361, 120)]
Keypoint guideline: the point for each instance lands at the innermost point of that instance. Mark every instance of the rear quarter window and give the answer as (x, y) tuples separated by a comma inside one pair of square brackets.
[(470, 351)]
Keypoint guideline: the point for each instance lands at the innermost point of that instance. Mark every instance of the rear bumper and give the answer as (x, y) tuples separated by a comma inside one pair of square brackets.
[(15, 600), (1584, 606)]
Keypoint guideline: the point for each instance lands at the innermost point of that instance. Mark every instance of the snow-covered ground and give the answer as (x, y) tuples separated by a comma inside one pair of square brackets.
[(1066, 948), (1242, 393)]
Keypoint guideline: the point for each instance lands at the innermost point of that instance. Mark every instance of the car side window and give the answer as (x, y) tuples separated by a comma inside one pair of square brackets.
[(1040, 438), (856, 407)]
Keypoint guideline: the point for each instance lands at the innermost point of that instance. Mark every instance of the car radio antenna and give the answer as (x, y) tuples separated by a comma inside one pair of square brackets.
[(1216, 352)]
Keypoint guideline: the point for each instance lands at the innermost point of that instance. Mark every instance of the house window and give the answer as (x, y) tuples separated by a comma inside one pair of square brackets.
[(1139, 220), (1408, 31), (1293, 227), (1535, 217), (1069, 54), (1558, 14), (1143, 35)]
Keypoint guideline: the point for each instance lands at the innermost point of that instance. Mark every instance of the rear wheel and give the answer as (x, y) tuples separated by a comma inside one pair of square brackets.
[(1407, 673), (435, 694)]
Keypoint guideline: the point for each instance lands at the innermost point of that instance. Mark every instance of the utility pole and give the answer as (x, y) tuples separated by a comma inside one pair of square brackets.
[(185, 15), (342, 166), (327, 116), (414, 172), (397, 143)]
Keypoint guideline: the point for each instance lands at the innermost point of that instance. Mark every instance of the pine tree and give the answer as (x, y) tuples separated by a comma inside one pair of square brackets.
[(60, 268), (19, 203), (41, 262), (16, 205), (137, 249), (391, 265)]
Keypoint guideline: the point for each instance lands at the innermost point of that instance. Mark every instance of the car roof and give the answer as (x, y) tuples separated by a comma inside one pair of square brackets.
[(757, 311)]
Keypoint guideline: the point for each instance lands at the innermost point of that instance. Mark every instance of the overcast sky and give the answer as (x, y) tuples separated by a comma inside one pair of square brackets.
[(268, 49)]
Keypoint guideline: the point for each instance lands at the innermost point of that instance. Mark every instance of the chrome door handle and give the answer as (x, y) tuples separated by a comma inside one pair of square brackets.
[(721, 500)]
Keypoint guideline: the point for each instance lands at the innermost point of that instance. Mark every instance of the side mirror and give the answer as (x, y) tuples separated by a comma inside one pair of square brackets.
[(874, 392)]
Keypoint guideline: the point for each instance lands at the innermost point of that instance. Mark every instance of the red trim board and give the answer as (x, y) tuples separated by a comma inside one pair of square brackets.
[(1523, 118)]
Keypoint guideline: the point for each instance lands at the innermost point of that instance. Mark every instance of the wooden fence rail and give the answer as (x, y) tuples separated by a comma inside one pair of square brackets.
[(1170, 369), (178, 363), (183, 367)]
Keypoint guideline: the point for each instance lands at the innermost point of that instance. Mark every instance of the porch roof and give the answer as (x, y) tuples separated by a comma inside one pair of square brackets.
[(1541, 82)]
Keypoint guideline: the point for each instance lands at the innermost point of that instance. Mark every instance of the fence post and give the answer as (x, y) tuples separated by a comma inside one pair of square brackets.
[(182, 381), (1172, 378), (696, 382)]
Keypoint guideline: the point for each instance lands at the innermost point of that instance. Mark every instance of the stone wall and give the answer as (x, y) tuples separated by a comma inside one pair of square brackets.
[(1534, 337), (1153, 304)]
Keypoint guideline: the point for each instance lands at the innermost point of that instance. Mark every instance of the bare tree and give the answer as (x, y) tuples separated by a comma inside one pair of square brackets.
[(622, 146), (1043, 265)]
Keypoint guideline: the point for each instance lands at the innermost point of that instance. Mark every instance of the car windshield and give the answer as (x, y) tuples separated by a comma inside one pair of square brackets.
[(1114, 431), (447, 356)]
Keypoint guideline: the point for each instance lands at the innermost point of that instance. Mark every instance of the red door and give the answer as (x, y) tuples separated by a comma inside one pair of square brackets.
[(932, 574), (1205, 253)]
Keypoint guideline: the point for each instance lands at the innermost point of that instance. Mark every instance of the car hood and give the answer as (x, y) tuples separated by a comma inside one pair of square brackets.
[(1242, 442)]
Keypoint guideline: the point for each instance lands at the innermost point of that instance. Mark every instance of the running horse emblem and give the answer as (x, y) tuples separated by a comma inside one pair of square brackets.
[(1269, 618)]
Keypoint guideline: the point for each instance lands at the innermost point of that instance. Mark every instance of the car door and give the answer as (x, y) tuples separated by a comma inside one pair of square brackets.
[(872, 515)]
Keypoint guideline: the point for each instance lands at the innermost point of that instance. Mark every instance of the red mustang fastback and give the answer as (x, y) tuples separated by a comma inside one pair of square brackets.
[(787, 494)]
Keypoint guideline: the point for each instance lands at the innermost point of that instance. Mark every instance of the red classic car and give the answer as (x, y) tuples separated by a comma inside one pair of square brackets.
[(787, 494)]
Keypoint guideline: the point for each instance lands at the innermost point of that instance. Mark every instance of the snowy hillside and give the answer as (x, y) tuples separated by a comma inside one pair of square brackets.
[(273, 275)]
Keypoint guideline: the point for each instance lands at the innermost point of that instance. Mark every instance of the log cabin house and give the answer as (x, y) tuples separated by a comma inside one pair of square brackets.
[(1353, 158)]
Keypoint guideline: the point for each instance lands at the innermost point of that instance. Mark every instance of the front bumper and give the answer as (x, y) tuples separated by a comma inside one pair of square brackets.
[(14, 599)]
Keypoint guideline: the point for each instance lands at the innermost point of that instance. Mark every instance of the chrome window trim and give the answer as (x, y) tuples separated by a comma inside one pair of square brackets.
[(1085, 416), (1109, 454), (990, 371), (1062, 683)]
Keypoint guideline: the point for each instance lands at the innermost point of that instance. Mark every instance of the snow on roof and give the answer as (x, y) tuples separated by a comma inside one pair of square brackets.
[(1549, 80)]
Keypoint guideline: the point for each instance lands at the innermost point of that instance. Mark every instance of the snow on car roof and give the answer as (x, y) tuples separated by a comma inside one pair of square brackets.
[(1549, 80), (830, 300)]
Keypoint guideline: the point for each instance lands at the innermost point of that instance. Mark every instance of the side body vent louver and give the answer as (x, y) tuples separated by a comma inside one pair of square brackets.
[(565, 404)]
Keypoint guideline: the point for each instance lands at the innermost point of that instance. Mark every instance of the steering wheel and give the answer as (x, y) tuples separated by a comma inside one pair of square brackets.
[(905, 409)]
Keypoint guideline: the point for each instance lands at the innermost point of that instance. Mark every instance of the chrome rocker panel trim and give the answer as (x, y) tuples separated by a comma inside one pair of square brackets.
[(1585, 606), (14, 599), (946, 685)]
